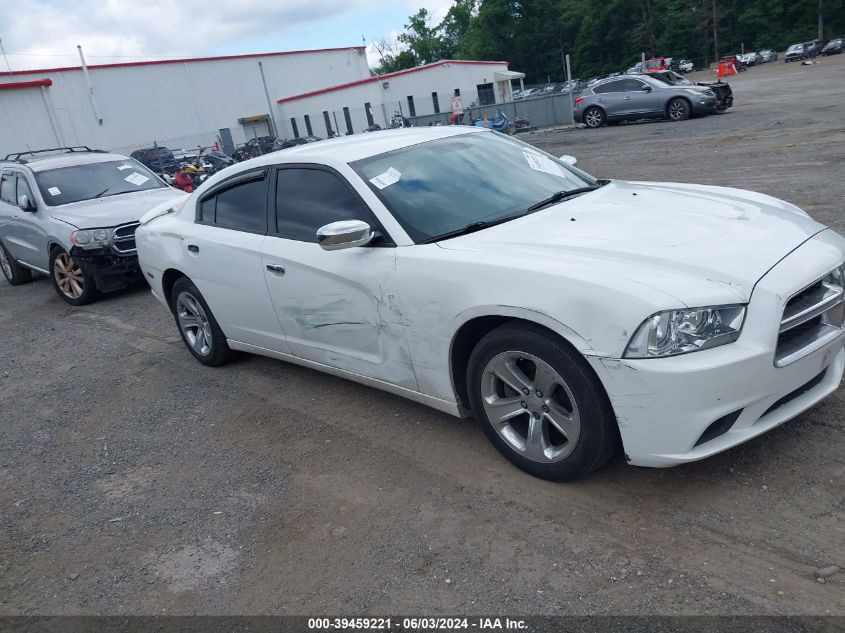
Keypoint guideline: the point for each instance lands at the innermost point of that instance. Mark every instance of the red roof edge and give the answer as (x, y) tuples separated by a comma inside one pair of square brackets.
[(370, 80), (26, 84), (184, 60)]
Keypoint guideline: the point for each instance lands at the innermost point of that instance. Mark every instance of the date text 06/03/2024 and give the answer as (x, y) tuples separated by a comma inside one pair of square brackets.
[(416, 624)]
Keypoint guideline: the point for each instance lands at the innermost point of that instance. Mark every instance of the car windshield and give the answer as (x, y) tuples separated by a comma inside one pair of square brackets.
[(440, 186), (94, 180), (795, 47)]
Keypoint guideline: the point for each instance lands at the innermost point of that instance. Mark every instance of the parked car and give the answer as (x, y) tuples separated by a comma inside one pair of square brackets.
[(722, 90), (400, 261), (70, 213), (733, 58), (639, 96), (158, 159), (768, 55), (813, 48), (833, 47), (656, 64), (685, 66), (795, 53), (753, 59)]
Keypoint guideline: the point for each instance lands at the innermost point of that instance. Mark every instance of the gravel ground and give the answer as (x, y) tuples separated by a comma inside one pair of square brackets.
[(133, 480)]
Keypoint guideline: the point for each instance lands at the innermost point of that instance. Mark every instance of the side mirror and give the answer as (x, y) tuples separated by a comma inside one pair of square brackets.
[(25, 204), (344, 234), (646, 88), (569, 160)]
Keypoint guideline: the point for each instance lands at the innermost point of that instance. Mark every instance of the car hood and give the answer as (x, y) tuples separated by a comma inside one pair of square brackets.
[(678, 238), (114, 210)]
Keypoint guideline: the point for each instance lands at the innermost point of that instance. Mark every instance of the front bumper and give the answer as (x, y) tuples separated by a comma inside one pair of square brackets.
[(703, 105), (665, 405), (109, 270)]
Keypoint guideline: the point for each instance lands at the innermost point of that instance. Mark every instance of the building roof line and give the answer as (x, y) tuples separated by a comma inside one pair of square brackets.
[(376, 78), (185, 60), (26, 84)]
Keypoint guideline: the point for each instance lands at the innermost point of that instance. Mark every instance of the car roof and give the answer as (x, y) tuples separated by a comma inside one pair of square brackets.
[(57, 161), (348, 149)]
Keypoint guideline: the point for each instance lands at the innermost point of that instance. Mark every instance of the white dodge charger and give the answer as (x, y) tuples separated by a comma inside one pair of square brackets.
[(477, 274)]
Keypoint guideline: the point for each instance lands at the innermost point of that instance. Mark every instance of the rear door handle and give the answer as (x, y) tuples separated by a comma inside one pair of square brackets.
[(193, 248), (276, 268)]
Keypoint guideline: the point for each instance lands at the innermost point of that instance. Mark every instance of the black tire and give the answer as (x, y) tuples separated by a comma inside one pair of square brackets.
[(678, 109), (594, 117), (598, 438), (60, 263), (14, 273), (207, 329)]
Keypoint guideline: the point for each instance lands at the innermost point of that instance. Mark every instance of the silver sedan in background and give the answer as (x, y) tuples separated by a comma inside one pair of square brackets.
[(638, 97)]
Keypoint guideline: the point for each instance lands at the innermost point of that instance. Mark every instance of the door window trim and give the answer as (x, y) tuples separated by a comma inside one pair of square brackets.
[(234, 181), (272, 215)]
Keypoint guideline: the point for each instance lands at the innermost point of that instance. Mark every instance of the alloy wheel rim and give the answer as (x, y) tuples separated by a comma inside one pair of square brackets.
[(593, 119), (68, 276), (5, 264), (194, 323), (676, 110), (530, 406)]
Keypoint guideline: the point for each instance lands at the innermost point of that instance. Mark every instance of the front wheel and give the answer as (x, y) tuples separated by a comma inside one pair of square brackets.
[(540, 404), (678, 110), (197, 325), (73, 284)]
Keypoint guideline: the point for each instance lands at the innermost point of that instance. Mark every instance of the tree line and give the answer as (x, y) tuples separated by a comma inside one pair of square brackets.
[(605, 35)]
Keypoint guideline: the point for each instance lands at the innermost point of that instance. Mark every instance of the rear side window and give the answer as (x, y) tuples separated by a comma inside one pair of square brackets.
[(7, 188), (240, 207), (307, 199), (610, 86)]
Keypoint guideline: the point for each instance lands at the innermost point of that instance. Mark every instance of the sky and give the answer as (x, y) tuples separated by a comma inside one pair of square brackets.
[(45, 33)]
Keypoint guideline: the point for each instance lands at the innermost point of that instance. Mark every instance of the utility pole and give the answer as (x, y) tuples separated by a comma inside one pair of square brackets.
[(3, 50), (821, 22), (715, 32)]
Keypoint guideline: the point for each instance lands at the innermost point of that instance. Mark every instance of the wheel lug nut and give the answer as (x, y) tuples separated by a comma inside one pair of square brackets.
[(525, 391), (535, 414), (524, 405), (545, 409), (539, 393)]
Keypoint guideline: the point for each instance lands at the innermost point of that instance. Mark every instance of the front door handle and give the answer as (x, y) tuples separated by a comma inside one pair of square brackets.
[(193, 248), (627, 98), (276, 268)]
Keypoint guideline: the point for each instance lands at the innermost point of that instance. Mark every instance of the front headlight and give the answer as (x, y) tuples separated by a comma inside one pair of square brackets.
[(97, 238), (836, 277), (688, 330)]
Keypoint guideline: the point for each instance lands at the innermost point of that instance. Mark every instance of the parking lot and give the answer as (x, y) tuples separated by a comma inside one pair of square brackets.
[(135, 480)]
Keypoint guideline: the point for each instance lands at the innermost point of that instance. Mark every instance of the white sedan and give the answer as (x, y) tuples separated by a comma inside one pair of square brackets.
[(476, 274)]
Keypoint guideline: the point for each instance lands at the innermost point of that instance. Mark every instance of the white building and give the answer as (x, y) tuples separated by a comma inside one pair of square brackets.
[(189, 102), (425, 90)]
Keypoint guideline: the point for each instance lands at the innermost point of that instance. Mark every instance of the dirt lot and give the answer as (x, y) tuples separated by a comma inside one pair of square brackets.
[(135, 480)]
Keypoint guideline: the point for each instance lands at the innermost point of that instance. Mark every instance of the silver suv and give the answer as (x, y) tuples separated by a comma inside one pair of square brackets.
[(70, 213)]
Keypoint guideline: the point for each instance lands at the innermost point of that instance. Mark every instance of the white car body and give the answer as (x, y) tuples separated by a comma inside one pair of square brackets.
[(389, 317)]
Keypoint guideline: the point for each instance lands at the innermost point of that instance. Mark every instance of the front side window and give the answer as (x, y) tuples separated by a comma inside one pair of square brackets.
[(307, 199), (443, 185), (240, 207), (95, 180), (24, 190)]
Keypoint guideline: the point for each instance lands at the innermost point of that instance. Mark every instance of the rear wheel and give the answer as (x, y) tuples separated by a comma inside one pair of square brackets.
[(678, 109), (197, 325), (14, 273), (594, 117), (540, 403), (72, 283)]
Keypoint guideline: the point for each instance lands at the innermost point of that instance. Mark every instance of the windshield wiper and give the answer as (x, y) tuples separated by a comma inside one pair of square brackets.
[(559, 196), (469, 228), (102, 192)]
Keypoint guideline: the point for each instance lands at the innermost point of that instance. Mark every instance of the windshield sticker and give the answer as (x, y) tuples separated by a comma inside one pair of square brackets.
[(542, 163), (54, 191), (386, 179), (136, 179), (122, 167)]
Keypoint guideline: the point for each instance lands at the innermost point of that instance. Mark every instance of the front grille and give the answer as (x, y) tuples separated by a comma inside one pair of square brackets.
[(811, 319), (123, 238)]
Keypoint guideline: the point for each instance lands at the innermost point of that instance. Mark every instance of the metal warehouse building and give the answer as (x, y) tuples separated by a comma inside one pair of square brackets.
[(189, 102)]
